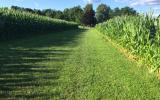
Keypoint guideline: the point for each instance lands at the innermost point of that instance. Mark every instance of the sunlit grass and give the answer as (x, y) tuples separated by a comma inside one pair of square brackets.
[(98, 71), (73, 65)]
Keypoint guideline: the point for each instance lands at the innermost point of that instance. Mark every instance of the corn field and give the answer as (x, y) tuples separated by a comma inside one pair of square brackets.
[(139, 34), (15, 24)]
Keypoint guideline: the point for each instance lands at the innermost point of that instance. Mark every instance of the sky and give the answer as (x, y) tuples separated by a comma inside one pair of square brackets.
[(142, 6)]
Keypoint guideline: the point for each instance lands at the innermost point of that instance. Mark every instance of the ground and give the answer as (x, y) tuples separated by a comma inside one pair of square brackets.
[(72, 65)]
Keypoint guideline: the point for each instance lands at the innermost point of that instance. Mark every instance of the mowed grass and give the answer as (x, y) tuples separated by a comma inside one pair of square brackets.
[(30, 68), (98, 71), (71, 65)]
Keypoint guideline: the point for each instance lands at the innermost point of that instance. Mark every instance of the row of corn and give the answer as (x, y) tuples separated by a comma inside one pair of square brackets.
[(139, 34), (18, 23)]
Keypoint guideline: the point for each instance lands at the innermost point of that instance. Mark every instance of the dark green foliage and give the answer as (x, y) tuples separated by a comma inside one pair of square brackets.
[(88, 18), (123, 11), (53, 13), (102, 13), (15, 23), (73, 14), (23, 9), (128, 11)]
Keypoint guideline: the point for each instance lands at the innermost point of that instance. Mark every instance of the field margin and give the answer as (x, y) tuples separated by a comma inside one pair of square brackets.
[(131, 57)]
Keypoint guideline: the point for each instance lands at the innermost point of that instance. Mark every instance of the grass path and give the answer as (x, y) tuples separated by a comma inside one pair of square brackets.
[(98, 71), (73, 65)]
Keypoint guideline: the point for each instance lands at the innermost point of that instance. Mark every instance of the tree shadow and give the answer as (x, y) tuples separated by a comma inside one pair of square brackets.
[(30, 68)]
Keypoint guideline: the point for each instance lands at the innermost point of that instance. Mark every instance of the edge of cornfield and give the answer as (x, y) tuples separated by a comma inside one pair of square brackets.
[(134, 58)]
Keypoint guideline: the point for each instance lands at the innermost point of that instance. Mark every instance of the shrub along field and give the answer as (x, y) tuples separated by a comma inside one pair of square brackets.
[(139, 34), (14, 23)]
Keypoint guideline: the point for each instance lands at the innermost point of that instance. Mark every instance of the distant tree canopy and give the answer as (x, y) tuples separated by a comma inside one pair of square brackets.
[(89, 16), (73, 14), (102, 13), (86, 16), (22, 9), (123, 11), (52, 13)]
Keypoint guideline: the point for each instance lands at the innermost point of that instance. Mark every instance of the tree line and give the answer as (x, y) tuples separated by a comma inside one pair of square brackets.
[(84, 16)]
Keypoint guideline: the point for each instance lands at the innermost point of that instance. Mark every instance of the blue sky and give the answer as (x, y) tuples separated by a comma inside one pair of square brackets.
[(140, 5)]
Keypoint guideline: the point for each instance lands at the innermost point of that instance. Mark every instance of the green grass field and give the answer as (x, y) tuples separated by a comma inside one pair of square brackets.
[(73, 65)]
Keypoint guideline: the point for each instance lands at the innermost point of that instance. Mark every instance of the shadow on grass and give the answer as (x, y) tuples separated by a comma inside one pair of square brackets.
[(30, 68)]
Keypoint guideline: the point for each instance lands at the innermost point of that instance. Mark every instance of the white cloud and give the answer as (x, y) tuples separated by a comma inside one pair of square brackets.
[(88, 1), (145, 2), (123, 0), (92, 1), (140, 2)]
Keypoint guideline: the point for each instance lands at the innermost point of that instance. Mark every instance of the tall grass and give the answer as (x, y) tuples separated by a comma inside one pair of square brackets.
[(139, 34), (18, 23)]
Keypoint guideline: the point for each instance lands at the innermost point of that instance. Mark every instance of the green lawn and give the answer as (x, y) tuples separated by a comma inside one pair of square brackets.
[(73, 65)]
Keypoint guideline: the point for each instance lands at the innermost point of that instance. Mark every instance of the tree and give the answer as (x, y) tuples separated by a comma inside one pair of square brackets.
[(89, 16), (77, 13), (28, 10), (102, 13), (39, 12), (128, 11), (48, 12), (58, 14), (53, 13), (73, 14), (115, 12), (22, 9), (66, 14), (123, 11), (16, 8)]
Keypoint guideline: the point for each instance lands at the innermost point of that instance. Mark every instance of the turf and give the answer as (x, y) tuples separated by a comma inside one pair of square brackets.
[(73, 65)]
